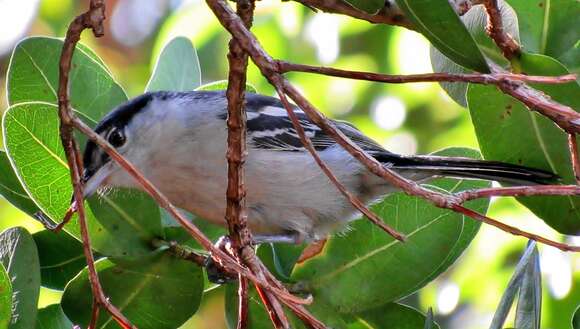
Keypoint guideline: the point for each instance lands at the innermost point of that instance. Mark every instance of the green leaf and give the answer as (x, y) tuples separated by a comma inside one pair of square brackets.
[(20, 259), (576, 318), (52, 317), (223, 85), (514, 285), (370, 6), (571, 58), (155, 293), (548, 27), (475, 21), (366, 268), (33, 77), (5, 298), (392, 316), (11, 189), (509, 132), (280, 258), (177, 67), (529, 307), (61, 258), (439, 23), (127, 220)]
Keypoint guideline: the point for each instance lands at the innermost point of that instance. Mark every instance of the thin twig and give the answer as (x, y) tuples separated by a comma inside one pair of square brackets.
[(390, 14), (92, 19), (359, 205), (243, 303), (508, 45), (562, 115), (493, 78), (535, 190), (180, 251), (573, 146), (513, 230), (94, 315)]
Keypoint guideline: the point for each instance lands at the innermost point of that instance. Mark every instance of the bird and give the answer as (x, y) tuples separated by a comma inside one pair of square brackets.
[(178, 140)]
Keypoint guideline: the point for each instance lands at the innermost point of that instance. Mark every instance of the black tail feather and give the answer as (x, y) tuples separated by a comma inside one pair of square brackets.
[(469, 168)]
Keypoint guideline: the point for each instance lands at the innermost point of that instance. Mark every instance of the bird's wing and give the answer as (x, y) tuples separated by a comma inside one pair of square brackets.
[(269, 127)]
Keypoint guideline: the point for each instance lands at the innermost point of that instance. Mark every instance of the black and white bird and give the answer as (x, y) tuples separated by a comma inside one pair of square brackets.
[(178, 141)]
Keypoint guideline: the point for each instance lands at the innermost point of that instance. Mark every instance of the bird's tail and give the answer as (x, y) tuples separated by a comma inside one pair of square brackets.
[(468, 168)]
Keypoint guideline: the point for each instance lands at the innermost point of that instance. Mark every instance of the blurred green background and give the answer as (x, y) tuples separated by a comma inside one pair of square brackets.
[(407, 118)]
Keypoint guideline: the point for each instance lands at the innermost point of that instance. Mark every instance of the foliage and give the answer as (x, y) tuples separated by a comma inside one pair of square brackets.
[(361, 275)]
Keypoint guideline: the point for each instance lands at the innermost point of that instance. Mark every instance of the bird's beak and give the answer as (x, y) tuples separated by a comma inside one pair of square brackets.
[(93, 180)]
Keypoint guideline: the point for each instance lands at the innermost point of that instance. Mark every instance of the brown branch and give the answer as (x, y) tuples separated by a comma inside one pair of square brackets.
[(494, 78), (513, 230), (573, 146), (564, 116), (536, 190), (235, 208), (390, 14), (508, 45), (92, 19), (268, 67), (243, 305), (180, 251), (359, 205), (94, 315)]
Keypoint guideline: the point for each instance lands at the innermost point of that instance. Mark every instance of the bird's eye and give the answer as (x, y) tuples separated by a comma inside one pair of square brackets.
[(117, 137)]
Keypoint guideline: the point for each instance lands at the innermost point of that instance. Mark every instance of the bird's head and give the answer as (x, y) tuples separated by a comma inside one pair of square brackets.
[(147, 130)]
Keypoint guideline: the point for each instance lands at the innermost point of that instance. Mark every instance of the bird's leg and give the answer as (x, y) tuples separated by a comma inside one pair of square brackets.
[(289, 237)]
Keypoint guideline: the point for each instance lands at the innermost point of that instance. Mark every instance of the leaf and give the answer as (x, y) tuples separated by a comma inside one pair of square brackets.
[(366, 268), (475, 21), (177, 67), (429, 322), (5, 298), (509, 132), (61, 258), (529, 307), (20, 259), (223, 85), (439, 23), (576, 318), (33, 77), (11, 189), (548, 27), (280, 258), (52, 317), (370, 6), (392, 316), (127, 220), (157, 293), (513, 286)]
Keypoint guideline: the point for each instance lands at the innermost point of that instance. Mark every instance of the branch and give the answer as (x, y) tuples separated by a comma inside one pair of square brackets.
[(236, 217), (515, 191), (92, 19), (573, 146), (486, 79), (391, 14), (508, 45), (564, 116)]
